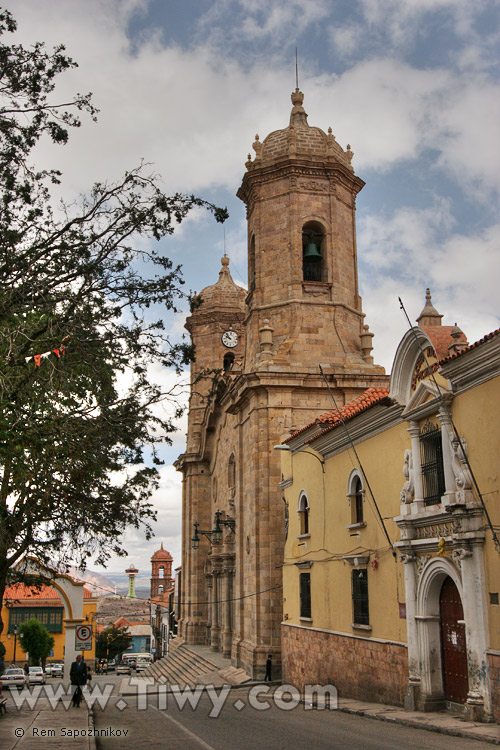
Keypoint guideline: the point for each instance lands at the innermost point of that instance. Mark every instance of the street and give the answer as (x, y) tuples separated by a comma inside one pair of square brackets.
[(249, 728)]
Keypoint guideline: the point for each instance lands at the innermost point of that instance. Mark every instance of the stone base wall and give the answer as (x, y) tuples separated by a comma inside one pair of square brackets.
[(358, 667), (494, 664)]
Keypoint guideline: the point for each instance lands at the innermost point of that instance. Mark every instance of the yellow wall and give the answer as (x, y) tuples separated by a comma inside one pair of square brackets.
[(475, 413), (330, 540), (89, 611)]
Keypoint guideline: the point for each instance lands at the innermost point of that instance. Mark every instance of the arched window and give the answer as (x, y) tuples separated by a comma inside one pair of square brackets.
[(231, 472), (161, 571), (303, 514), (161, 588), (251, 264), (228, 361), (314, 266), (356, 497)]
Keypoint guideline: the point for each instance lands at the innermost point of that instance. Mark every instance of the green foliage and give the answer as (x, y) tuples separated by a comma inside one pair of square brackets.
[(111, 642), (35, 640), (77, 340)]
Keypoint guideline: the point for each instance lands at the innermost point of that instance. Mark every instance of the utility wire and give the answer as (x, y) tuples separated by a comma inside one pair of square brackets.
[(448, 411)]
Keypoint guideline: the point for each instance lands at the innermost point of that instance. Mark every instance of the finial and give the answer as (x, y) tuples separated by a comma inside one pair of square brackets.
[(296, 69), (224, 260), (429, 315)]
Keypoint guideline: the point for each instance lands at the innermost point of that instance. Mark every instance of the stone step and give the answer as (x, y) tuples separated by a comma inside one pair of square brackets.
[(181, 667)]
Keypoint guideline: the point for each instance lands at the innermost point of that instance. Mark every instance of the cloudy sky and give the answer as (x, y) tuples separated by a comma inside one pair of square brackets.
[(412, 85)]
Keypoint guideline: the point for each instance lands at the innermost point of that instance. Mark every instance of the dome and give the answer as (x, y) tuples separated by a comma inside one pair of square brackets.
[(162, 554), (224, 293), (299, 138)]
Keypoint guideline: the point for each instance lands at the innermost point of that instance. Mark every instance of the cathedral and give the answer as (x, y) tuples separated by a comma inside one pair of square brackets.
[(256, 379)]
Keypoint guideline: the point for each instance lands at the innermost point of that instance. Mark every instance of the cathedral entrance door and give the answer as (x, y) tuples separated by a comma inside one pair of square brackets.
[(453, 645)]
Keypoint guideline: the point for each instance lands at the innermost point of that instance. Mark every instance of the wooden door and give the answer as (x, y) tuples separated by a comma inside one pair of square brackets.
[(453, 645)]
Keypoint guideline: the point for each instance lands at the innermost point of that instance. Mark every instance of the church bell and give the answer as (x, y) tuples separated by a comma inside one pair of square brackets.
[(311, 251)]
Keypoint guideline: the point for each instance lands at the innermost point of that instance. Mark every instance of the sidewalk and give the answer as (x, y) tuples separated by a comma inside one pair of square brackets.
[(445, 723), (41, 727)]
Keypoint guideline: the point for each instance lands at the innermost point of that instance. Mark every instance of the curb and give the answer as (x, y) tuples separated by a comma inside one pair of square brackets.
[(418, 725), (92, 740)]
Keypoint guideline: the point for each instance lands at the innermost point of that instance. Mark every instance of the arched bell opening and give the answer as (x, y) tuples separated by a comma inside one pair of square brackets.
[(314, 252)]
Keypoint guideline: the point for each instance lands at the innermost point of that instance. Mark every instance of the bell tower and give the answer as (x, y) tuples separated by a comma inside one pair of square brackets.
[(300, 193), (302, 309)]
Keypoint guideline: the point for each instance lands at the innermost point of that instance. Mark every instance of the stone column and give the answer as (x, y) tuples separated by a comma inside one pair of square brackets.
[(449, 477), (418, 502), (70, 652), (413, 689), (227, 631), (215, 629)]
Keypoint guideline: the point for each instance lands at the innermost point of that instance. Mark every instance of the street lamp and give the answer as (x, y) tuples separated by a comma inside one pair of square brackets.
[(215, 536), (15, 642)]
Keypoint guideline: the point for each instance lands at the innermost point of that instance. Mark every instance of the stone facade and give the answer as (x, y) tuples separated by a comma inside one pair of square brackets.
[(361, 668), (302, 309)]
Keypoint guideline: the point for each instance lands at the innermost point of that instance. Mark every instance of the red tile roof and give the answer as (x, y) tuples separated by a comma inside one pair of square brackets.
[(441, 339), (361, 403), (455, 355), (20, 595)]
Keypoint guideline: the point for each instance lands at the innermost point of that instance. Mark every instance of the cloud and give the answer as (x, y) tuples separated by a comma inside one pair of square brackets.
[(402, 254)]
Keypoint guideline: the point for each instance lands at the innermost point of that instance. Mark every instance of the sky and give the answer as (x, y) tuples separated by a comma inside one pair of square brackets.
[(412, 85)]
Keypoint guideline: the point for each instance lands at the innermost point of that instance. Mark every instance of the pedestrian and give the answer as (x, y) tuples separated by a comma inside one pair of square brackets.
[(78, 677), (269, 664)]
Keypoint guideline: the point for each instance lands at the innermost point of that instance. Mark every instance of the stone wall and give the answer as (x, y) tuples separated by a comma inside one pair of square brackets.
[(358, 667), (494, 664)]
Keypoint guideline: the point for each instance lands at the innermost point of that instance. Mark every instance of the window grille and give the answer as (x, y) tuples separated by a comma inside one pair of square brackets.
[(361, 615), (305, 595), (432, 463)]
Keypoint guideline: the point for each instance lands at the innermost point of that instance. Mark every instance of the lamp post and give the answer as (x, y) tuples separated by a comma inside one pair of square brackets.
[(214, 536), (15, 642)]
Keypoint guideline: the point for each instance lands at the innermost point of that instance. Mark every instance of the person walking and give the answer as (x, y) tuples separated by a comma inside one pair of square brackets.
[(269, 664), (78, 677)]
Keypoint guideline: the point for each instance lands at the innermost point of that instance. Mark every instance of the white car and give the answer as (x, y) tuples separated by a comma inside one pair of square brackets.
[(36, 676), (13, 677), (57, 670)]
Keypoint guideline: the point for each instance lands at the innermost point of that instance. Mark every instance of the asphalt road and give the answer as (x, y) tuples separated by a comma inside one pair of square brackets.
[(154, 725)]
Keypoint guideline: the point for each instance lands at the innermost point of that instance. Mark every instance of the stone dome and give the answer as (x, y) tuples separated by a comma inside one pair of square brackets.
[(162, 554), (224, 293), (299, 138)]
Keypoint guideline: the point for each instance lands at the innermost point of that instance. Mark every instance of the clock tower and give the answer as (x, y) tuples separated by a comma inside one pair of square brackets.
[(302, 309)]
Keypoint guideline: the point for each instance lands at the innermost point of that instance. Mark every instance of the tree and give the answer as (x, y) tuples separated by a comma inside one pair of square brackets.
[(77, 287), (111, 642), (35, 640)]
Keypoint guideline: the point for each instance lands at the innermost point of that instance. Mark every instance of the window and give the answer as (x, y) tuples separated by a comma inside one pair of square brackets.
[(313, 252), (360, 597), (305, 595), (161, 571), (228, 362), (432, 463), (231, 472), (251, 265), (356, 496), (303, 515)]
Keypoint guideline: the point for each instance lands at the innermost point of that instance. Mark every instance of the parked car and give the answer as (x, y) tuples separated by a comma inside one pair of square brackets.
[(48, 670), (36, 676), (142, 664), (123, 668), (57, 670), (13, 677), (111, 665)]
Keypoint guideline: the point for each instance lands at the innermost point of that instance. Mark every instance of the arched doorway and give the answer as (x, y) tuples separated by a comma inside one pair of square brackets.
[(453, 643)]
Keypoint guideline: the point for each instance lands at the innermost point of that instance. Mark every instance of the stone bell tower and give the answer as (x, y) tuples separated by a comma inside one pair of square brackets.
[(304, 306), (302, 309)]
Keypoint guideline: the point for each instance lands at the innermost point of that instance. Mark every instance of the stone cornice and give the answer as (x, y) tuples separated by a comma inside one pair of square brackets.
[(304, 167), (474, 367)]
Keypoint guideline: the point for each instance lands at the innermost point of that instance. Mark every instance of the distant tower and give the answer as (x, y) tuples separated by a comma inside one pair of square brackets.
[(131, 572), (161, 572)]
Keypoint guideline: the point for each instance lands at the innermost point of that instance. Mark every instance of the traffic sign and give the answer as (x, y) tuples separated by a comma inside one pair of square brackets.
[(83, 637)]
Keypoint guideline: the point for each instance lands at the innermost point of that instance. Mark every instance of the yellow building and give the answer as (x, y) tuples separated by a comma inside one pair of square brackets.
[(22, 603), (391, 559)]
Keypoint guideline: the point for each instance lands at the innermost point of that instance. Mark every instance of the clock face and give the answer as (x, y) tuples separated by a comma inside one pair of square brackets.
[(229, 339)]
